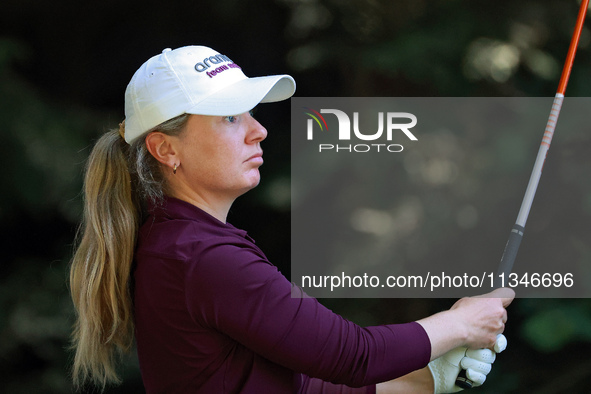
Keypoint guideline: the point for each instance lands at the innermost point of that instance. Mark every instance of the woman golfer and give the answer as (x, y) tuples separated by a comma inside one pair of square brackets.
[(157, 260)]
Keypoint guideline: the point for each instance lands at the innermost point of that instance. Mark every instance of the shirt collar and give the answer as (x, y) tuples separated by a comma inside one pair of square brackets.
[(173, 208)]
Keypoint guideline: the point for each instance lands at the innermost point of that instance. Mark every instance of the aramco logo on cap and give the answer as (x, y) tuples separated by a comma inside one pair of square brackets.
[(211, 61)]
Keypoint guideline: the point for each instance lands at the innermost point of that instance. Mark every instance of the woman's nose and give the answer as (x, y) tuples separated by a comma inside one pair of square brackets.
[(256, 131)]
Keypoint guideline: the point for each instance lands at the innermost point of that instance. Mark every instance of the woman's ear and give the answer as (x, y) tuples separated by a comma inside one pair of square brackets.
[(162, 148)]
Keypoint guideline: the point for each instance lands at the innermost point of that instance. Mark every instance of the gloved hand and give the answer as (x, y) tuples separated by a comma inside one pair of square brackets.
[(477, 364)]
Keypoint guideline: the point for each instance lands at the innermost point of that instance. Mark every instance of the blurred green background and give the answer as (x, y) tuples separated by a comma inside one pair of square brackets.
[(64, 66)]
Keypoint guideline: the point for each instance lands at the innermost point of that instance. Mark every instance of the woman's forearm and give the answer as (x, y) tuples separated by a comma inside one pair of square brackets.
[(416, 382), (445, 332)]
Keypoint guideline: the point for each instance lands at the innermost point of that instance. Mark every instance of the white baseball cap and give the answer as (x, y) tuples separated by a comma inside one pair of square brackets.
[(195, 80)]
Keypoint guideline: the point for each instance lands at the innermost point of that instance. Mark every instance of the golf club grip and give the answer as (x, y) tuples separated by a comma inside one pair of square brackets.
[(509, 254), (463, 381), (505, 267)]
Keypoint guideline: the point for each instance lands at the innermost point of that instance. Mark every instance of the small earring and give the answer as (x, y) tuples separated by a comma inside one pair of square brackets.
[(174, 169)]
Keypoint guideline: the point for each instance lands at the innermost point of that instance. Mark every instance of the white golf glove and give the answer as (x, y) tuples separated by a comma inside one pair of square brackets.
[(477, 364)]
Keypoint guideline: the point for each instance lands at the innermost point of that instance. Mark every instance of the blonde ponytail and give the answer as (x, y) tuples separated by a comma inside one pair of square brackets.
[(119, 180), (101, 266)]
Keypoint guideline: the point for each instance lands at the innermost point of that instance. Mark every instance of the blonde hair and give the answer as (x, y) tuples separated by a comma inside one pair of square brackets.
[(120, 179)]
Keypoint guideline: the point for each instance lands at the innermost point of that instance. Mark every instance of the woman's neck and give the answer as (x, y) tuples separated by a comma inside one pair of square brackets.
[(216, 207)]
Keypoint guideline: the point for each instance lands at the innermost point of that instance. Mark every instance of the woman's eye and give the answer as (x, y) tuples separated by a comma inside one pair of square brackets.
[(231, 118)]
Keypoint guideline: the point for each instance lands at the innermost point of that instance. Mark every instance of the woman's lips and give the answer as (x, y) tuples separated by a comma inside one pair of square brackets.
[(256, 158)]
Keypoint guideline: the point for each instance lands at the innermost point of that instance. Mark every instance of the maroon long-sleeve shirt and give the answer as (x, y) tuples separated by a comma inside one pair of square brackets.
[(214, 316)]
